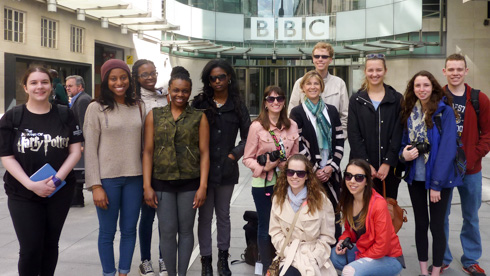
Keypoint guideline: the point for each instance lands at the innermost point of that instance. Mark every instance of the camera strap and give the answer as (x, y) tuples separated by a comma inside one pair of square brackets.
[(279, 145)]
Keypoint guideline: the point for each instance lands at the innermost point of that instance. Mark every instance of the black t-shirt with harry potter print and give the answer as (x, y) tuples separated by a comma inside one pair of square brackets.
[(39, 139)]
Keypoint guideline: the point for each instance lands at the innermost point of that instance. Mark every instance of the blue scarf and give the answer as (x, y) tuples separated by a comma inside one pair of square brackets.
[(324, 128), (297, 200)]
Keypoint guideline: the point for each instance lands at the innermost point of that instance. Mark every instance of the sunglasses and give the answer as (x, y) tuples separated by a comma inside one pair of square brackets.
[(300, 174), (321, 56), (148, 75), (375, 56), (357, 177), (271, 99), (221, 77)]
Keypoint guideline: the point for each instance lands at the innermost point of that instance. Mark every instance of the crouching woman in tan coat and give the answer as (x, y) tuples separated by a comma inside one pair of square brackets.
[(308, 251)]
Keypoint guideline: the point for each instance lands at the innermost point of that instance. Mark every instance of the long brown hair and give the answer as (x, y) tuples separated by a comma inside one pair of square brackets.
[(346, 202), (263, 118), (315, 191), (430, 108)]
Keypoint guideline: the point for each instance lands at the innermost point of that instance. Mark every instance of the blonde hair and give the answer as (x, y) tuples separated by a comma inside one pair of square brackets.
[(365, 82), (323, 45), (308, 76)]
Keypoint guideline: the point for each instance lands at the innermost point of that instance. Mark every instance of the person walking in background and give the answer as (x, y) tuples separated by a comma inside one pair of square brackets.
[(272, 138), (75, 87), (429, 157), (374, 128), (322, 138), (474, 130), (313, 233), (38, 215), (369, 244), (175, 171), (227, 114), (144, 78), (334, 90), (113, 170), (59, 93)]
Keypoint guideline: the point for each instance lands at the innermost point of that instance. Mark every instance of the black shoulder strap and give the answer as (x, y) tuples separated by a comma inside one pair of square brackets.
[(438, 122), (17, 116), (63, 112), (475, 102)]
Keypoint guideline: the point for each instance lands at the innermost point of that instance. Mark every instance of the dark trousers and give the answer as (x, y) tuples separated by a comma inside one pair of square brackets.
[(331, 197), (437, 211), (392, 183), (263, 205), (292, 271), (38, 228)]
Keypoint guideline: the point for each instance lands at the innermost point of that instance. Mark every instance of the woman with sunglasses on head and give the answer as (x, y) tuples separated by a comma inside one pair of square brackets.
[(227, 114), (272, 138), (299, 190), (144, 77), (113, 172), (369, 244), (175, 171), (373, 127), (33, 135), (428, 153), (322, 137)]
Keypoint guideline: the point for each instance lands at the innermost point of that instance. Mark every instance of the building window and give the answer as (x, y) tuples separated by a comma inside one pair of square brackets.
[(49, 32), (76, 41), (13, 25)]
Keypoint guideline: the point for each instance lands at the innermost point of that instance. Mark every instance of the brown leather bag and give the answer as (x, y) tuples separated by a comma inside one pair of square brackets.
[(398, 215)]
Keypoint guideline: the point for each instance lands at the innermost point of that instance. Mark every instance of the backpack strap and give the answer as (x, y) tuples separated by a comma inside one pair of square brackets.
[(17, 116), (438, 122), (475, 102), (63, 112)]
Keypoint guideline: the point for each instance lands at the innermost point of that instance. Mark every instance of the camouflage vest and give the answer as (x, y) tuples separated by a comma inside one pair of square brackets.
[(176, 152)]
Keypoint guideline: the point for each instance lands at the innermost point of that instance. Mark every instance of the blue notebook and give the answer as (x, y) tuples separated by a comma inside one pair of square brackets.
[(45, 172)]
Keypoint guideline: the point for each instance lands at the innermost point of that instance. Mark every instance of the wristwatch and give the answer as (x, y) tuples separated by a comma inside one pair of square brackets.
[(56, 181)]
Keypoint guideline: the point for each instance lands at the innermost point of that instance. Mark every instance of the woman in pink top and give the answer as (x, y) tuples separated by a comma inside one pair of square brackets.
[(272, 138)]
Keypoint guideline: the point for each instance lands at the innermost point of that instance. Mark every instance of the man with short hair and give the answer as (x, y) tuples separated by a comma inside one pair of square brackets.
[(474, 131), (80, 100), (335, 91)]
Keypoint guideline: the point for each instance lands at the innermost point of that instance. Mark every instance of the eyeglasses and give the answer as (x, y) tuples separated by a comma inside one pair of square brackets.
[(375, 56), (271, 99), (357, 177), (147, 76), (300, 174), (321, 56), (221, 77)]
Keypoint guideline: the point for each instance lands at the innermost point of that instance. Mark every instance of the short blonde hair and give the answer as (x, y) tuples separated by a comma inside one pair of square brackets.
[(308, 76), (323, 45)]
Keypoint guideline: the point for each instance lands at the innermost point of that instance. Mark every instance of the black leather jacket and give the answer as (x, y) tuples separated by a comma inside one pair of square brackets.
[(375, 135), (223, 130)]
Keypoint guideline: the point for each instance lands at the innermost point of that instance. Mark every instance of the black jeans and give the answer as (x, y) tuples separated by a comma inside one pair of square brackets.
[(38, 227), (292, 271), (392, 183), (418, 196)]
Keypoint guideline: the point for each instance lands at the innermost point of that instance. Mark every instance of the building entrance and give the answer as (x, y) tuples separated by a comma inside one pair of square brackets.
[(254, 80)]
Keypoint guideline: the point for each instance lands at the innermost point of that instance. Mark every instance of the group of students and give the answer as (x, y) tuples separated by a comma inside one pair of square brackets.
[(150, 153)]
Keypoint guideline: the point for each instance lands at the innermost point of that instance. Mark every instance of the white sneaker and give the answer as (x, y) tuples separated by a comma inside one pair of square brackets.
[(146, 268), (163, 268)]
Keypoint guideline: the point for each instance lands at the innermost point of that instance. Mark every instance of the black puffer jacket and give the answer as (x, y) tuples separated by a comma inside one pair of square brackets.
[(223, 130), (375, 135)]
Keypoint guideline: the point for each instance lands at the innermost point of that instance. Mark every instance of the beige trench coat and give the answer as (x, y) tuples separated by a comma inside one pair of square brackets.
[(309, 248)]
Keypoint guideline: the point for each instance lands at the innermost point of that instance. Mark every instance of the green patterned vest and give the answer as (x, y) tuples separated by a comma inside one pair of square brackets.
[(176, 144)]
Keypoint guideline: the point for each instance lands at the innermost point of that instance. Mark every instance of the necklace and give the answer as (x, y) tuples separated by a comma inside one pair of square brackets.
[(218, 105)]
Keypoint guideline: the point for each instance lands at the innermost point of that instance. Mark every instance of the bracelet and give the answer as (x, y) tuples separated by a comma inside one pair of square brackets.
[(56, 181), (94, 187)]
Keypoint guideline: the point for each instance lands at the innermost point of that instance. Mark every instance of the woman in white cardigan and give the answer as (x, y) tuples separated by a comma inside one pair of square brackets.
[(308, 251)]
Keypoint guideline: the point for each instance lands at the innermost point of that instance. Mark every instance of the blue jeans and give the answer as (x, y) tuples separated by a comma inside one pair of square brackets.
[(263, 205), (145, 230), (470, 193), (124, 195), (386, 266)]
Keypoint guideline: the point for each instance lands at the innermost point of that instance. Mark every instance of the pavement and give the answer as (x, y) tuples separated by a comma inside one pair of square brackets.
[(78, 253)]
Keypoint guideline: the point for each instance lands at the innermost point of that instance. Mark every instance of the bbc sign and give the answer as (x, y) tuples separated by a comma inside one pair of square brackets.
[(290, 28)]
